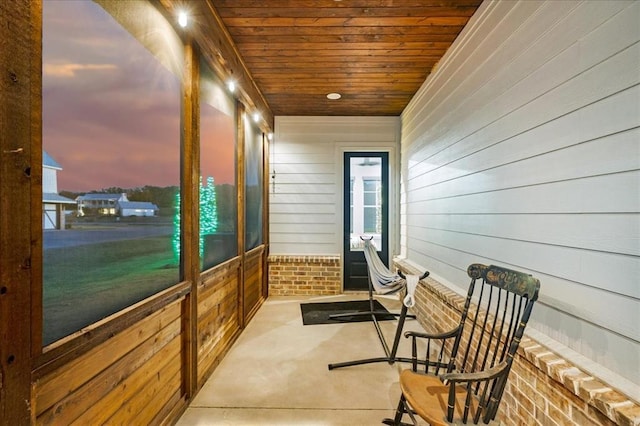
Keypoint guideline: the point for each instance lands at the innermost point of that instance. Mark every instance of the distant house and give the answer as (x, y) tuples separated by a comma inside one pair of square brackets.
[(100, 204), (103, 204), (136, 208), (53, 204)]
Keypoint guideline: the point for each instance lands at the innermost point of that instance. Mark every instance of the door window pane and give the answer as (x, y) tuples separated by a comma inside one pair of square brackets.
[(372, 205), (366, 201), (111, 166)]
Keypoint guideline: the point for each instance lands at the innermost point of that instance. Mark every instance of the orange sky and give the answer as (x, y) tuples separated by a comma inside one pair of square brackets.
[(111, 112)]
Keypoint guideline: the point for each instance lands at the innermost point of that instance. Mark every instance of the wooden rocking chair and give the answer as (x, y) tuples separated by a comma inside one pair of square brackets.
[(465, 379)]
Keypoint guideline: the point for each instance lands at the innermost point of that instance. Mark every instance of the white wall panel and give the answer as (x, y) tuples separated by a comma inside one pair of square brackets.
[(308, 168), (544, 63), (614, 233), (288, 219), (592, 85), (283, 179), (298, 209), (303, 228), (598, 194), (442, 84), (309, 198), (608, 116), (302, 188), (613, 154), (568, 263), (612, 349), (523, 150), (306, 195), (311, 158)]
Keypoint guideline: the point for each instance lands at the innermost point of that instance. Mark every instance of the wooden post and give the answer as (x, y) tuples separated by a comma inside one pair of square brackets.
[(240, 111), (20, 201), (190, 212), (265, 215)]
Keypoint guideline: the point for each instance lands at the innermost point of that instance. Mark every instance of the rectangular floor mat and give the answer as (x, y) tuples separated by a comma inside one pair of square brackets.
[(319, 313)]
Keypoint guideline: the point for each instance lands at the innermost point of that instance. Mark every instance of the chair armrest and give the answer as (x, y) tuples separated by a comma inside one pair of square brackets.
[(478, 376), (437, 363), (480, 388), (445, 335)]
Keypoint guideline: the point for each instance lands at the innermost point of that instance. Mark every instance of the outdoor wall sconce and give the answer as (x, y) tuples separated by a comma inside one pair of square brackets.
[(182, 19)]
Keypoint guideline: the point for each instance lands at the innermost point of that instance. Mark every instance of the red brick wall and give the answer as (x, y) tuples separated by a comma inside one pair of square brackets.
[(304, 275), (543, 387)]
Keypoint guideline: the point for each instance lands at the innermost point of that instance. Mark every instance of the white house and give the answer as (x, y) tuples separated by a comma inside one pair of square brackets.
[(104, 204), (52, 202), (114, 204), (136, 208)]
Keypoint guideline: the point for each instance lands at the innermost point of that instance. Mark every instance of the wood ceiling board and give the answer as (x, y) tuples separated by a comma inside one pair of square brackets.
[(376, 53)]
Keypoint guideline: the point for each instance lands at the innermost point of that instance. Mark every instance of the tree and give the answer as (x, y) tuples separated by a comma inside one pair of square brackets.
[(208, 216)]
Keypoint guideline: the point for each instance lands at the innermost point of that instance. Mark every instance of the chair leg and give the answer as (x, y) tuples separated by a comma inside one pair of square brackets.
[(400, 412)]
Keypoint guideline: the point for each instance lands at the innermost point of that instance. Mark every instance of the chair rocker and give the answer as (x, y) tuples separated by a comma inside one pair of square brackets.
[(383, 281), (464, 378)]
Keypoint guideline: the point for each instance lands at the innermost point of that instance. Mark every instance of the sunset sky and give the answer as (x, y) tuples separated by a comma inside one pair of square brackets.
[(111, 111)]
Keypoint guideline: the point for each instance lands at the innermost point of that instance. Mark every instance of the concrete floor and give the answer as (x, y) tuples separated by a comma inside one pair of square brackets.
[(276, 373)]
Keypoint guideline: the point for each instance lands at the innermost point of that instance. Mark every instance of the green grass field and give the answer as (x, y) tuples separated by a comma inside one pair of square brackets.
[(84, 284)]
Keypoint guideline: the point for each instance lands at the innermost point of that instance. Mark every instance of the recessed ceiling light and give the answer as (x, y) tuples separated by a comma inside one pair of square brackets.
[(334, 96)]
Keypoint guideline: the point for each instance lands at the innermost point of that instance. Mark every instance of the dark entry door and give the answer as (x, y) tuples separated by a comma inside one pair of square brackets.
[(366, 212)]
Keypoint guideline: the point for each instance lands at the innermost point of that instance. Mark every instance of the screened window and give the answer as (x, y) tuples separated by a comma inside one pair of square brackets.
[(218, 189), (253, 185), (111, 169)]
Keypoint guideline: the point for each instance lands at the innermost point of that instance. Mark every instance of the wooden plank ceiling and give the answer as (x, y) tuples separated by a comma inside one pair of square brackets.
[(375, 53)]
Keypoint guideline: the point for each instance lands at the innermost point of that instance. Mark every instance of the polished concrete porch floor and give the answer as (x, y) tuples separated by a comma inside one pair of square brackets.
[(276, 373)]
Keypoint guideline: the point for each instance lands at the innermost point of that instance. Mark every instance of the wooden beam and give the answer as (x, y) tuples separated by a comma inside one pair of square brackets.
[(348, 4), (422, 12), (366, 21), (437, 46), (377, 33), (218, 50), (20, 198), (300, 37)]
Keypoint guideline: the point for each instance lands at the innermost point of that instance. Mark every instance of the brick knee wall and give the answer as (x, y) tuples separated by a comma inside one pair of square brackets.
[(299, 275), (543, 388)]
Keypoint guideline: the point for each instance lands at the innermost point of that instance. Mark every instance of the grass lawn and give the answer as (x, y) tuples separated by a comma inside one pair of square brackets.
[(86, 283)]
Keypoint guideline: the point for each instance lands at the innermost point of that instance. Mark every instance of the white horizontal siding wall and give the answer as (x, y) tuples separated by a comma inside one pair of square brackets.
[(49, 180), (305, 191), (523, 150)]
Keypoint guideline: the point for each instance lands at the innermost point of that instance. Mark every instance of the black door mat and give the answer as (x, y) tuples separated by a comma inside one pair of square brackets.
[(319, 313)]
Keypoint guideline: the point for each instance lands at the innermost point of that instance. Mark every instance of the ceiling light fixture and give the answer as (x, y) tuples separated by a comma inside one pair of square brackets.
[(256, 117), (334, 96), (231, 86), (182, 19)]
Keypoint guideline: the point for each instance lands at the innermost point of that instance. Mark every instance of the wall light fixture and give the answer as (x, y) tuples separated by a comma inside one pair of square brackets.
[(182, 19)]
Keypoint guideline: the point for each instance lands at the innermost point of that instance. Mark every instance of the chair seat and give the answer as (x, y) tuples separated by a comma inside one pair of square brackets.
[(428, 397)]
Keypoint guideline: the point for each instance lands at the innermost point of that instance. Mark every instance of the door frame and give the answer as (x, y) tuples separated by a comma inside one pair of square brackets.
[(349, 259)]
